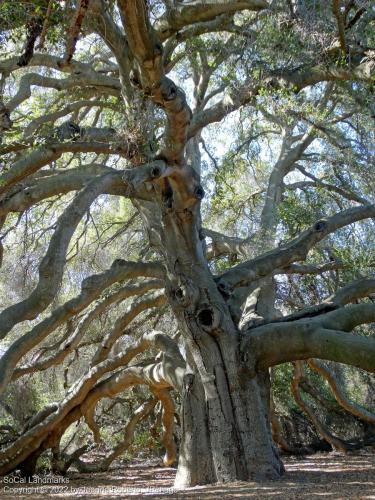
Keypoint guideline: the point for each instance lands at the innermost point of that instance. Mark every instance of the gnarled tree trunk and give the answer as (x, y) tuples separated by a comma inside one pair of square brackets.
[(225, 425)]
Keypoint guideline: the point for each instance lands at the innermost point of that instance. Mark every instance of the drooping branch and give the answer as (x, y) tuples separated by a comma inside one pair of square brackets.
[(75, 338), (52, 265), (276, 428), (338, 392), (84, 394), (168, 425), (141, 413), (92, 287), (324, 433), (92, 425)]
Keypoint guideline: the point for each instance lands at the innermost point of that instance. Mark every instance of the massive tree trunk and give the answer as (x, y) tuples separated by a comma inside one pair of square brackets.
[(225, 425), (224, 440)]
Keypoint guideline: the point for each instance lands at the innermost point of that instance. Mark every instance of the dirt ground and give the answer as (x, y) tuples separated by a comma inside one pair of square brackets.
[(320, 476)]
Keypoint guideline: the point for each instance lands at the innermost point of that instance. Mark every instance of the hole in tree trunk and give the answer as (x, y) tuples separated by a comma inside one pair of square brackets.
[(206, 317), (168, 197), (199, 192), (320, 225), (155, 172)]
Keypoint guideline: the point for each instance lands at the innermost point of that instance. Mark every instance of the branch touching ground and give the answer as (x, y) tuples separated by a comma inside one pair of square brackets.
[(324, 433), (168, 372), (168, 425), (141, 413)]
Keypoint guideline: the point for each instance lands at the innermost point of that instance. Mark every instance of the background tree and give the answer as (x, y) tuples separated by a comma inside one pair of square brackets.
[(106, 157)]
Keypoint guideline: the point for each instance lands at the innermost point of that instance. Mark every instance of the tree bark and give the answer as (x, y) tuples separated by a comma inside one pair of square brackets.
[(225, 426)]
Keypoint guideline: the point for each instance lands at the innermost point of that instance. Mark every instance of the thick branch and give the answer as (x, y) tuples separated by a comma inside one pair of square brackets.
[(168, 425), (52, 265), (324, 433), (193, 12), (44, 155), (149, 75), (310, 268), (103, 84), (353, 291), (224, 245), (84, 394), (139, 414), (278, 343), (33, 190), (156, 299), (243, 274)]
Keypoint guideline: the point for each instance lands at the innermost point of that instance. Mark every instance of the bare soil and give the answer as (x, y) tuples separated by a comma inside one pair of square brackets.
[(320, 476)]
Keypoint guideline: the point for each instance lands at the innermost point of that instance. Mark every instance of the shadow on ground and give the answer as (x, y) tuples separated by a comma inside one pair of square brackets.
[(325, 476)]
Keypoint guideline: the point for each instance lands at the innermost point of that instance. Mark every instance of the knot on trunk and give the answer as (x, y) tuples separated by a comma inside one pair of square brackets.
[(225, 289), (188, 381), (158, 49), (184, 294), (134, 79), (155, 172)]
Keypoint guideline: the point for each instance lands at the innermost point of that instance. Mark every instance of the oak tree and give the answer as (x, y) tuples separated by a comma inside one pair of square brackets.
[(240, 131)]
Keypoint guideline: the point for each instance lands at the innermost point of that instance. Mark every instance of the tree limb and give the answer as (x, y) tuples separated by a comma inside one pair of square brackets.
[(295, 250), (338, 392), (91, 289), (52, 265)]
